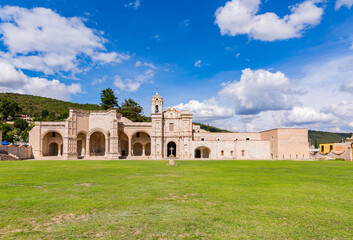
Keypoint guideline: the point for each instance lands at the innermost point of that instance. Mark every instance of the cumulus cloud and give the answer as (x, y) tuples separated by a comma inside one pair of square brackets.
[(132, 85), (259, 91), (206, 110), (241, 17), (343, 3), (39, 39), (13, 80), (303, 116)]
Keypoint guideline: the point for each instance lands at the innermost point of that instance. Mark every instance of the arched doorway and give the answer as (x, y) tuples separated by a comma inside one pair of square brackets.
[(137, 150), (97, 144), (202, 152), (148, 149), (53, 149), (123, 144), (52, 144), (206, 152), (171, 149), (197, 153), (81, 144), (141, 144)]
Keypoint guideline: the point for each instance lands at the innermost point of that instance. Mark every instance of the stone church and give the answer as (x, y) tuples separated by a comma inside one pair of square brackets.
[(109, 135)]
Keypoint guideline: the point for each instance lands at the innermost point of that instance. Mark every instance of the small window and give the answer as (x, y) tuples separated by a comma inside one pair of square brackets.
[(243, 153), (218, 139), (222, 153), (157, 109), (331, 148), (53, 134), (322, 149), (283, 156), (236, 139), (271, 137), (171, 127), (202, 139), (198, 131), (138, 134), (231, 153), (247, 139)]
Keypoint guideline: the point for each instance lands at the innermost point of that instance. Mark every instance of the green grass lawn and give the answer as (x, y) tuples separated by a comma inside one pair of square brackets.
[(193, 200)]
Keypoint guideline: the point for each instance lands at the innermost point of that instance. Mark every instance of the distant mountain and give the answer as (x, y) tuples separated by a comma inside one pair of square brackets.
[(327, 137)]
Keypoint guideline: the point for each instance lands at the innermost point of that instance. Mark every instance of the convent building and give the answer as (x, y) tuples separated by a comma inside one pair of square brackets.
[(109, 135)]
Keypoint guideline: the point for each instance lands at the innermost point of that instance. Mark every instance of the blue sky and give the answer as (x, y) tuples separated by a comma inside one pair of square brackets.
[(244, 65)]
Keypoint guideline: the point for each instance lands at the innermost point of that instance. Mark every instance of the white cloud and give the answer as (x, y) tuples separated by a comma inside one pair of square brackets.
[(13, 80), (198, 63), (341, 3), (41, 40), (132, 85), (347, 86), (303, 116), (99, 80), (134, 5), (150, 65), (240, 17), (343, 110), (259, 91), (206, 110)]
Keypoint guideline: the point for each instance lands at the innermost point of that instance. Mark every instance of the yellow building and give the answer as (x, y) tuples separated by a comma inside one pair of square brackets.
[(334, 147)]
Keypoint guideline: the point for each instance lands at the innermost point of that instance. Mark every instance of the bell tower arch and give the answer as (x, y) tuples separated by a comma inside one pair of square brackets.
[(157, 104)]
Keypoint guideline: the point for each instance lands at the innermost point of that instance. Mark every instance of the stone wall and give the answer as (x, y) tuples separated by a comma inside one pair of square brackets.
[(19, 152)]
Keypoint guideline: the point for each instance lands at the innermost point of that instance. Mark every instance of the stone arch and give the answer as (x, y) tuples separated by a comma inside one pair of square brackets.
[(143, 138), (202, 152), (171, 149), (123, 144), (52, 144), (81, 143), (97, 143), (148, 149), (137, 149), (53, 149), (94, 130)]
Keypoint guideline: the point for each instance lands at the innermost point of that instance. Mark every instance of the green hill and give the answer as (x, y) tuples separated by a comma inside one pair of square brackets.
[(34, 105), (327, 137), (210, 128)]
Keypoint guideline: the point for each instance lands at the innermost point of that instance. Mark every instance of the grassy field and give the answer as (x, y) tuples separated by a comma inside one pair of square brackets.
[(193, 200)]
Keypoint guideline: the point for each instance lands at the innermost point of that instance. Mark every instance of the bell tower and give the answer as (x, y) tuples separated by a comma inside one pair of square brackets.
[(157, 104), (157, 126)]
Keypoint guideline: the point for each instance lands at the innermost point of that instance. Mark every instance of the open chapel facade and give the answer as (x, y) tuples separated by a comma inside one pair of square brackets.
[(109, 135)]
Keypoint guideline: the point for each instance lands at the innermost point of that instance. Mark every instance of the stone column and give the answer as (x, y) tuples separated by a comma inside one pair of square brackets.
[(143, 150), (129, 153), (87, 147), (106, 147)]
